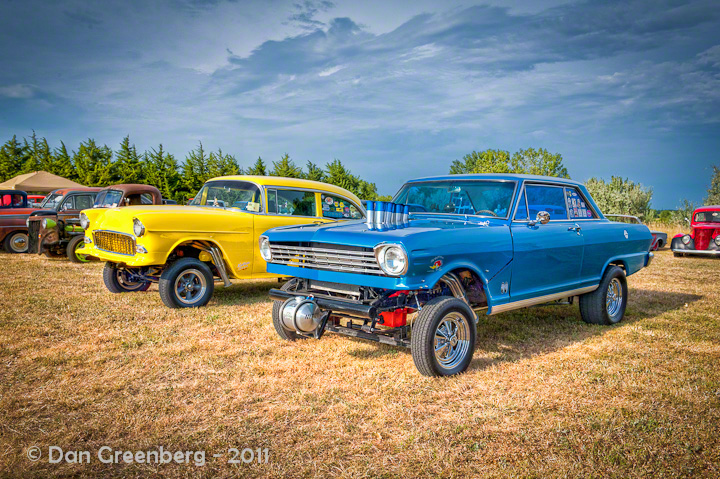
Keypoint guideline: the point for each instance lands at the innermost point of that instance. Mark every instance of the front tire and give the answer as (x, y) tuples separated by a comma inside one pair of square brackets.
[(442, 340), (118, 281), (16, 242), (606, 305), (74, 247), (187, 283), (285, 334)]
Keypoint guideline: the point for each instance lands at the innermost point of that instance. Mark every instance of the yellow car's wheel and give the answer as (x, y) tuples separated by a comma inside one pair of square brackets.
[(187, 283)]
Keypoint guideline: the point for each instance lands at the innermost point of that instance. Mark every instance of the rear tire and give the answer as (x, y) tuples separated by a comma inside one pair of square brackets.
[(117, 281), (187, 283), (285, 334), (606, 305), (76, 244), (442, 340), (16, 242)]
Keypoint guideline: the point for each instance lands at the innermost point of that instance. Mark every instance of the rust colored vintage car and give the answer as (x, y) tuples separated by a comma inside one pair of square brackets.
[(57, 232), (52, 227), (14, 211), (704, 237)]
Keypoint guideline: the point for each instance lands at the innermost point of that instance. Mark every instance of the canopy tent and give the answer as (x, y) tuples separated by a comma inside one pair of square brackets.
[(41, 181)]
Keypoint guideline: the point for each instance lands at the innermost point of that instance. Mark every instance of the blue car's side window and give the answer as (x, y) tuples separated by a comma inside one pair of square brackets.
[(521, 213), (546, 198)]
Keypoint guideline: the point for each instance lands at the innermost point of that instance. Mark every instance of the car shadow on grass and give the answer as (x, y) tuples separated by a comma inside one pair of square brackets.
[(539, 330), (244, 292)]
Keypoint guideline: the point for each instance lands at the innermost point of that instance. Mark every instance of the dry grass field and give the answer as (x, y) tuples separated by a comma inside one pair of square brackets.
[(546, 395)]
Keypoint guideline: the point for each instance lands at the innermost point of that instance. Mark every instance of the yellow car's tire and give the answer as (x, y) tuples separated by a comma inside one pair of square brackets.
[(117, 281), (187, 283)]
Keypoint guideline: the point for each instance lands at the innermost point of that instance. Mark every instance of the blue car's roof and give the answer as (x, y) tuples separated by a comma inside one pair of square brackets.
[(497, 176)]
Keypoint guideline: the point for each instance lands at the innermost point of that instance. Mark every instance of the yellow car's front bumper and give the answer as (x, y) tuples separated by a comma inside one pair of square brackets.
[(136, 260)]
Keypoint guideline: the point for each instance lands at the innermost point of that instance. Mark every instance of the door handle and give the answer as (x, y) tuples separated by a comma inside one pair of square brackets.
[(576, 228)]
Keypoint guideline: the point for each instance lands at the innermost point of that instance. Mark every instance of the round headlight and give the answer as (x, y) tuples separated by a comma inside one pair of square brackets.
[(138, 227), (717, 240), (43, 223), (84, 221), (265, 248), (392, 259), (686, 239)]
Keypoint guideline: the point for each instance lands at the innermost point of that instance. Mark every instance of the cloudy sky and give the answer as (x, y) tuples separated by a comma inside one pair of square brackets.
[(394, 89)]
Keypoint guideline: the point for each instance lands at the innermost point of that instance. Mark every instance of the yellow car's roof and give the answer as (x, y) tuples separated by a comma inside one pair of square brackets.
[(290, 182)]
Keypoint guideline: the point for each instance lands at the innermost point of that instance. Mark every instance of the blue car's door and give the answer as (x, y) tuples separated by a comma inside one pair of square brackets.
[(548, 257)]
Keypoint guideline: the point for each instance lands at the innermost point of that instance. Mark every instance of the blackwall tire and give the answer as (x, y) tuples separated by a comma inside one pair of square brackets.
[(285, 334), (16, 242), (187, 283), (442, 340), (72, 250), (606, 305), (116, 281)]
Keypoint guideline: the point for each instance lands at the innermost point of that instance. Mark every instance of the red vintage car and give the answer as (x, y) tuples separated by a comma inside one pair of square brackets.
[(14, 210), (704, 237)]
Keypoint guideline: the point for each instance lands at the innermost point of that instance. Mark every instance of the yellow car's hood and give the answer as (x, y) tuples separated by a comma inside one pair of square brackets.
[(167, 218)]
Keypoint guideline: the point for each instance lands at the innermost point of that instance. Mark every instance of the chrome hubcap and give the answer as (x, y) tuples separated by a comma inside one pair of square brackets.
[(19, 242), (614, 298), (452, 340), (128, 285), (190, 286)]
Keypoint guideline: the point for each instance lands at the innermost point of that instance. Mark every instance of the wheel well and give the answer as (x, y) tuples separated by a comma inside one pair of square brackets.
[(196, 248), (619, 263), (472, 284)]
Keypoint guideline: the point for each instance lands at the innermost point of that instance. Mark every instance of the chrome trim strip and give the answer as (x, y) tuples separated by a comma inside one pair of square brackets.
[(540, 300), (697, 251)]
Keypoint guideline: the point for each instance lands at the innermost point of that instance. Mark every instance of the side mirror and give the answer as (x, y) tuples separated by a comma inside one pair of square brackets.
[(543, 218)]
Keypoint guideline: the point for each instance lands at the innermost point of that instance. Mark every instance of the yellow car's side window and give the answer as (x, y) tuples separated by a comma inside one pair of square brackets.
[(291, 202)]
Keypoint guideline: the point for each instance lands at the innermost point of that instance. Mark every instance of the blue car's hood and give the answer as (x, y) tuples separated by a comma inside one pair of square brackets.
[(420, 232)]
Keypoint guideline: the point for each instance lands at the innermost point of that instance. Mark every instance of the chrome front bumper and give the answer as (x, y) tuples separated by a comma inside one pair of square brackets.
[(697, 251)]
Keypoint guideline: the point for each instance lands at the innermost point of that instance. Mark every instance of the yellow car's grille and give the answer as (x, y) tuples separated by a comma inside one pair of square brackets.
[(114, 242)]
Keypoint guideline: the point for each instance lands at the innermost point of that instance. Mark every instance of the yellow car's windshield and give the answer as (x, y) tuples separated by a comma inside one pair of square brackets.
[(229, 194)]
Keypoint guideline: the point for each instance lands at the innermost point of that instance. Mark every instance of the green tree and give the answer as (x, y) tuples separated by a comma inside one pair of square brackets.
[(488, 161), (286, 168), (683, 214), (340, 176), (195, 170), (94, 164), (161, 171), (620, 196), (39, 156), (314, 172), (62, 164), (222, 164), (12, 158), (258, 168), (539, 162), (127, 167), (713, 194)]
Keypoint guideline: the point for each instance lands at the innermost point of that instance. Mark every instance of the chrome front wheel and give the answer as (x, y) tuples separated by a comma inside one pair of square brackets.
[(452, 340), (190, 286), (186, 283)]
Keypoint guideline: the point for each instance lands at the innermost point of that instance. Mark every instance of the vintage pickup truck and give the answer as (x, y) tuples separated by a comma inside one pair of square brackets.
[(415, 273), (704, 236)]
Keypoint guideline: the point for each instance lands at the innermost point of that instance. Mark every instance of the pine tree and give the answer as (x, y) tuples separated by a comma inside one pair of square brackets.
[(161, 171), (127, 167), (39, 157), (222, 164), (338, 175), (314, 172), (12, 158), (62, 164), (94, 164), (713, 197), (258, 168), (195, 170), (286, 168)]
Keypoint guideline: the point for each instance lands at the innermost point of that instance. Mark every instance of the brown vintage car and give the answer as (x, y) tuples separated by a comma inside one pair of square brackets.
[(14, 211), (58, 232)]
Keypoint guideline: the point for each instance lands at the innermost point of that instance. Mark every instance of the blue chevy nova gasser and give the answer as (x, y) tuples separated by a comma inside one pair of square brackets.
[(418, 271)]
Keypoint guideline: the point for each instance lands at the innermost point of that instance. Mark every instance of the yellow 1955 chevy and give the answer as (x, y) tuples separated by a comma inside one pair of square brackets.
[(185, 248)]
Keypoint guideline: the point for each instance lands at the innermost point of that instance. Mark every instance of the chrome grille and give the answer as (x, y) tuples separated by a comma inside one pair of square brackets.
[(114, 242), (326, 258)]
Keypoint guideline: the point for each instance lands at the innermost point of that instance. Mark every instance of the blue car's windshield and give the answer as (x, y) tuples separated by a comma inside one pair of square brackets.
[(462, 197)]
